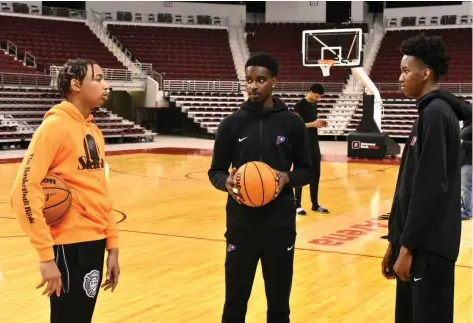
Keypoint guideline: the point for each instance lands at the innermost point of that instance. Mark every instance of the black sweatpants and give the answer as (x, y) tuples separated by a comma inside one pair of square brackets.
[(314, 182), (245, 248), (429, 295), (81, 267)]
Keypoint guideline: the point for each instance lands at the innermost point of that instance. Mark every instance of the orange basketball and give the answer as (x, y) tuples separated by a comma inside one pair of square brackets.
[(256, 182), (58, 198)]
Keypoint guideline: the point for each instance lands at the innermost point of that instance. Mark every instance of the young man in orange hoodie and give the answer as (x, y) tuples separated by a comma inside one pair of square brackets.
[(70, 146)]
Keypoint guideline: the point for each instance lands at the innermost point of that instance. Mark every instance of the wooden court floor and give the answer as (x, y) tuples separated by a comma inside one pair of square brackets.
[(172, 253)]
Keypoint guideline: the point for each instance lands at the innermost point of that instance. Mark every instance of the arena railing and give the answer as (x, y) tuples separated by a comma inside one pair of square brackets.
[(238, 86), (110, 74), (452, 87), (24, 80), (395, 22), (201, 86), (25, 8)]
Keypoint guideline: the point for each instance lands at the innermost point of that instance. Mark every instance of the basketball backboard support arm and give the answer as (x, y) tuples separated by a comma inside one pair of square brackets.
[(371, 89)]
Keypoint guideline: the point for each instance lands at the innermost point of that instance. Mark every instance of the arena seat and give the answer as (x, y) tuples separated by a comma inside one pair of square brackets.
[(207, 109), (53, 42), (180, 53), (458, 41), (288, 47), (399, 111), (399, 114), (22, 111)]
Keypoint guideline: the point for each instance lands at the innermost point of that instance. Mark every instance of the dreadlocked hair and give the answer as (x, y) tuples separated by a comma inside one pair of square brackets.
[(73, 69)]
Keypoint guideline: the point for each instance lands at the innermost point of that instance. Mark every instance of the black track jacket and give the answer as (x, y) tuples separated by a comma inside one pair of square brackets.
[(425, 212), (274, 136)]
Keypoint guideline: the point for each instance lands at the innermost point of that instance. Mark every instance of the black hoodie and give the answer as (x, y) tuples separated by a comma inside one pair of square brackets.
[(466, 143), (426, 207), (274, 136)]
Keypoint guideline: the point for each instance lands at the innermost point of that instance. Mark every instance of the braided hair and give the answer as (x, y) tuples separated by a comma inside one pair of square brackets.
[(73, 69)]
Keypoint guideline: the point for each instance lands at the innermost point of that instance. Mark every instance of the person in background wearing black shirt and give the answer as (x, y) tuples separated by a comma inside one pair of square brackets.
[(307, 109), (263, 129), (466, 171), (424, 223)]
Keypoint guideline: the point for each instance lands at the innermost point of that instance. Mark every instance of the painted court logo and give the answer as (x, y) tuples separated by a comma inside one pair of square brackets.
[(91, 283)]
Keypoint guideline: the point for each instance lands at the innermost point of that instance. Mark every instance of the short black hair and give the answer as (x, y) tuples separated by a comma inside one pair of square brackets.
[(264, 60), (317, 88), (429, 49), (73, 69)]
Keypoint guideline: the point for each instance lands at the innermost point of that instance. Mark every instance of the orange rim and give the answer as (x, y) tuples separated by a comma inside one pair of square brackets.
[(326, 61)]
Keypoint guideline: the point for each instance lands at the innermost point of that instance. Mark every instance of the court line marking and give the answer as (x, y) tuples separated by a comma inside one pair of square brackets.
[(302, 249), (219, 240)]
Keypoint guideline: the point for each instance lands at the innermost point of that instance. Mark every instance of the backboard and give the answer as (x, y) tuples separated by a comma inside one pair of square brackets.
[(344, 46)]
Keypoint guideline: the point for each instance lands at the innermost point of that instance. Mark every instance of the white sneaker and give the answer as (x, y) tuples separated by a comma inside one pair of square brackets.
[(300, 211)]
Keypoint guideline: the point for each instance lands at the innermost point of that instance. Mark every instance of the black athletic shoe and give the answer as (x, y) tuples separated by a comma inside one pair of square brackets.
[(320, 209)]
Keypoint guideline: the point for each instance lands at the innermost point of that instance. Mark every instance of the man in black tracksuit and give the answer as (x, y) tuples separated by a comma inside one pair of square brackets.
[(424, 224), (263, 129), (307, 109)]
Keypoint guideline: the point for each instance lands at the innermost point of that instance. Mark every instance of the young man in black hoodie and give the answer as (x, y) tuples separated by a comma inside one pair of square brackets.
[(263, 129), (424, 225), (466, 171), (307, 109)]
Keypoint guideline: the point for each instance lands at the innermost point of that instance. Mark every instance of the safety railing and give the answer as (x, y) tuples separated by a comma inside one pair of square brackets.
[(25, 8), (11, 49), (110, 75), (452, 87), (438, 21), (201, 86), (24, 80), (29, 59), (238, 86), (305, 86)]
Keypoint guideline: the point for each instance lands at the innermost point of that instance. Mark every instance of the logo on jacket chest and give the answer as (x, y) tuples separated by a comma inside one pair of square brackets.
[(413, 140), (91, 159), (280, 140)]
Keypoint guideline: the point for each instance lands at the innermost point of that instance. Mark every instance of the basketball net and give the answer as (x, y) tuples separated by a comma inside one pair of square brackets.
[(325, 65)]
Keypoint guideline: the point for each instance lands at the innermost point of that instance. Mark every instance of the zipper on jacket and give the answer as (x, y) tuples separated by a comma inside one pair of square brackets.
[(260, 140)]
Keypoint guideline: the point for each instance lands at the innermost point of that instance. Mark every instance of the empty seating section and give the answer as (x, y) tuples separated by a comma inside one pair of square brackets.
[(399, 111), (284, 42), (180, 53), (458, 41), (208, 109), (399, 114), (9, 64), (53, 42), (22, 111)]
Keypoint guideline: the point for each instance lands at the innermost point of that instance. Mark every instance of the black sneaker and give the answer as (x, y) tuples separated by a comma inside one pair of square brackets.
[(320, 209), (301, 211)]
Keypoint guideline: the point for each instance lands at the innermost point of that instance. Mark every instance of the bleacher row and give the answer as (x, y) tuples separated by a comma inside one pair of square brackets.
[(22, 111), (202, 54)]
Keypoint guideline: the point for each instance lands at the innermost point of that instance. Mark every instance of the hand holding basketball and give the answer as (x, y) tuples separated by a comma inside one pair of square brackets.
[(282, 179), (51, 275), (230, 186)]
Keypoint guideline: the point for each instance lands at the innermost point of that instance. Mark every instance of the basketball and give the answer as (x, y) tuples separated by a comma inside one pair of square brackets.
[(58, 198), (256, 182)]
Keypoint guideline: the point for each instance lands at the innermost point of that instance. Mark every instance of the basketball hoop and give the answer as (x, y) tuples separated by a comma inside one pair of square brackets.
[(325, 65)]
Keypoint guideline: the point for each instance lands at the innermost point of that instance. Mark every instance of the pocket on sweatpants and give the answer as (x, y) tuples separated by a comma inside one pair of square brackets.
[(419, 264)]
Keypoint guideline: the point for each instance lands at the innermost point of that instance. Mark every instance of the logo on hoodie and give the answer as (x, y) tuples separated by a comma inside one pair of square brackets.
[(92, 159), (280, 139)]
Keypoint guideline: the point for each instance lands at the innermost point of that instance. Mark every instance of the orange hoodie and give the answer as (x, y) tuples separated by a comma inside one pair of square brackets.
[(72, 148)]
